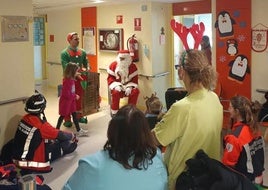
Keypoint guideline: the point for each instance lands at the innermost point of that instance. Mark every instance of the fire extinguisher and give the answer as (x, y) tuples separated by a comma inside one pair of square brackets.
[(133, 48)]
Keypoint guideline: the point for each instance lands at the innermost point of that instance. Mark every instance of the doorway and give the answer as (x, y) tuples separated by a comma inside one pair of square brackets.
[(188, 21)]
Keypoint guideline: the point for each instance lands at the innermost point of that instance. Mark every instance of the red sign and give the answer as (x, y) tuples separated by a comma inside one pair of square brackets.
[(119, 19), (137, 24)]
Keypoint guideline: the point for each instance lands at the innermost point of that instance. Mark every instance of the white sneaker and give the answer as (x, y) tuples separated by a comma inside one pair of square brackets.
[(82, 132)]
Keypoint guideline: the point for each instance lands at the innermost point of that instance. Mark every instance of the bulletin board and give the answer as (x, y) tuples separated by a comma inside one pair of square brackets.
[(14, 28), (89, 40)]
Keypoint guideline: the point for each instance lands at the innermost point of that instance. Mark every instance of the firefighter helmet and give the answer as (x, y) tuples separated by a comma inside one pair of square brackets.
[(36, 104)]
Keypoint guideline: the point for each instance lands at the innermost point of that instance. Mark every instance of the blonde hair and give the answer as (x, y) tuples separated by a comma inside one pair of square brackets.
[(196, 64), (70, 70)]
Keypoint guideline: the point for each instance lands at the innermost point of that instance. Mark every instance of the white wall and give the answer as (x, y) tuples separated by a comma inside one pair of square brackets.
[(17, 70), (259, 72), (59, 24)]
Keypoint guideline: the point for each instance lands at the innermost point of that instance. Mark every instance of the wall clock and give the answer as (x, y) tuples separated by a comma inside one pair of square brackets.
[(110, 39)]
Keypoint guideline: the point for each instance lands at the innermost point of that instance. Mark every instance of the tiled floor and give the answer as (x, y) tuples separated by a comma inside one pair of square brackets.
[(97, 127)]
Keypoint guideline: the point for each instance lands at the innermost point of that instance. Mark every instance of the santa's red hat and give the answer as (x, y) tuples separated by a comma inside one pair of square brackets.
[(123, 53), (70, 36)]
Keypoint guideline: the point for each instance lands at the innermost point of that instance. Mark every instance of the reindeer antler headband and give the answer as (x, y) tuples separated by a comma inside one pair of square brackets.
[(197, 31)]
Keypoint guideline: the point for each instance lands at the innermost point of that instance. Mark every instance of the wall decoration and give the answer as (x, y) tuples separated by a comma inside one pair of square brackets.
[(224, 24), (111, 39), (15, 28), (238, 68), (259, 38), (232, 47), (233, 50), (89, 40)]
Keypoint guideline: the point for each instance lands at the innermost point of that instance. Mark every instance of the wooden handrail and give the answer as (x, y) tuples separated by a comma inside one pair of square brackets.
[(24, 98)]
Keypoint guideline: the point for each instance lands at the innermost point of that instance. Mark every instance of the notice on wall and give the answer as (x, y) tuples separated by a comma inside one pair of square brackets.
[(137, 24), (15, 28), (89, 40)]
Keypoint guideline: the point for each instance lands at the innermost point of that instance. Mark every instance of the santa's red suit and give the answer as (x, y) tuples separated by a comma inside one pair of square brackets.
[(122, 80)]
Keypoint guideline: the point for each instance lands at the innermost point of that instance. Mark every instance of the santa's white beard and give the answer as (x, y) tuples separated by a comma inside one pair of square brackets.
[(122, 70)]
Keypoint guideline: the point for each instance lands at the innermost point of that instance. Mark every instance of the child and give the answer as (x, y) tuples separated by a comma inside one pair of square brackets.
[(68, 97), (154, 107), (244, 147)]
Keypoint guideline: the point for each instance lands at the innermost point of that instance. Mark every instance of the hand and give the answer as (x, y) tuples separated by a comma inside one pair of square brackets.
[(78, 76), (74, 139), (118, 88), (77, 97), (128, 91)]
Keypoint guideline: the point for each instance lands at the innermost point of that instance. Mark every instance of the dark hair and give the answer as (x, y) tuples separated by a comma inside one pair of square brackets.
[(70, 70), (196, 64), (130, 141), (248, 110), (205, 40)]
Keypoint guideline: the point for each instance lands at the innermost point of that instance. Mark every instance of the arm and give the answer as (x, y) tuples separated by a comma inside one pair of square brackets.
[(85, 176), (133, 76), (111, 79), (232, 150), (157, 143), (65, 136), (65, 58), (85, 61), (173, 124)]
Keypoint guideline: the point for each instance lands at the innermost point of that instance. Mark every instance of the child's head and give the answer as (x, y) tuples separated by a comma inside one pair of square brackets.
[(71, 70), (242, 109), (153, 104)]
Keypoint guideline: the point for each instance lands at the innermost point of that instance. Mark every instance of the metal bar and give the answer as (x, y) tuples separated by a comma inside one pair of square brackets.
[(262, 90), (147, 76), (154, 76), (13, 100), (53, 63)]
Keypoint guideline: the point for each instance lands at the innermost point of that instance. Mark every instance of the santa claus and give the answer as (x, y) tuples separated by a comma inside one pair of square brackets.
[(122, 80)]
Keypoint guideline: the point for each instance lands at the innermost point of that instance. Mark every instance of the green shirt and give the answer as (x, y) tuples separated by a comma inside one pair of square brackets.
[(193, 123), (77, 56)]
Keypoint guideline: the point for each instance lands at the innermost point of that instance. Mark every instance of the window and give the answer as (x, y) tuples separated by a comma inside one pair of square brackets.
[(188, 21)]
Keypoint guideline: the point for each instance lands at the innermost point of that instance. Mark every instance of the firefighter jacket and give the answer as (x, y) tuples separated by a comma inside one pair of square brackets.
[(244, 151), (29, 150)]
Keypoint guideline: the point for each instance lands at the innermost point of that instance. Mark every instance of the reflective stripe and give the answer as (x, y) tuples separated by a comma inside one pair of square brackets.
[(31, 164), (249, 159), (27, 143)]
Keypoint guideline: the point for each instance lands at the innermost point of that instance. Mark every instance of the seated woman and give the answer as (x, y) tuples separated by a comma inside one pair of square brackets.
[(244, 147), (129, 159)]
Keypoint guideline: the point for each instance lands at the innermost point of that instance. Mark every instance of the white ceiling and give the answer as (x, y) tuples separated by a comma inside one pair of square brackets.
[(46, 5)]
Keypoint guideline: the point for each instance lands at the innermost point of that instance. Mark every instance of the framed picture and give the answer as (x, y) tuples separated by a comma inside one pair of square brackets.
[(111, 39), (15, 28)]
